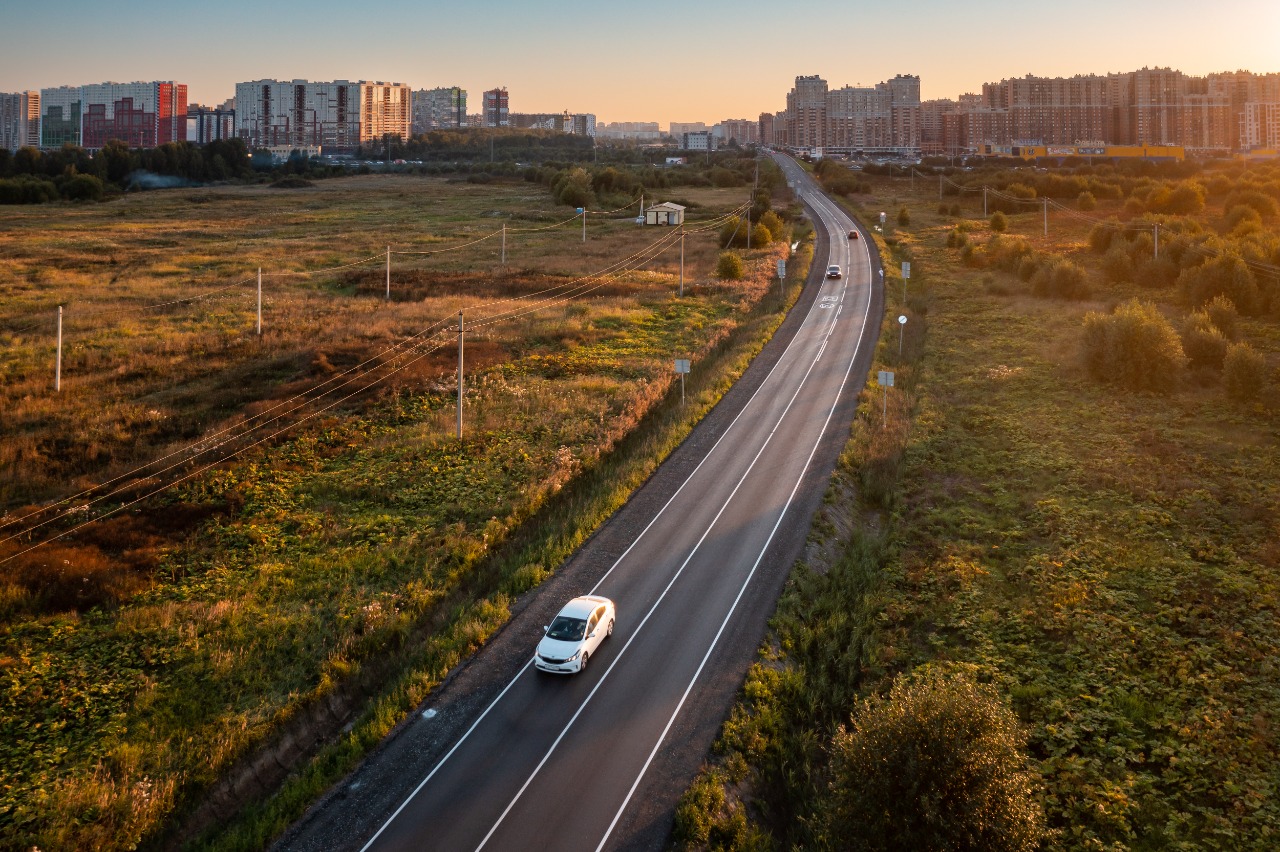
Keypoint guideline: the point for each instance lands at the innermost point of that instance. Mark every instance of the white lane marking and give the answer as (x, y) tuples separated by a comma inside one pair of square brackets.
[(787, 353), (741, 591), (658, 602)]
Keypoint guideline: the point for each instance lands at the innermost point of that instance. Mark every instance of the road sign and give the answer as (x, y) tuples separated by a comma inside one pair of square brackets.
[(885, 378), (902, 320), (782, 268), (906, 269), (682, 365), (882, 217)]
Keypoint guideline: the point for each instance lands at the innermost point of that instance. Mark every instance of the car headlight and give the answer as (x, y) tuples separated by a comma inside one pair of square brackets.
[(574, 656)]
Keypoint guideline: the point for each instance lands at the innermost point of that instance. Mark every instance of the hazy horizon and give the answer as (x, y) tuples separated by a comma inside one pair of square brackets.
[(664, 62)]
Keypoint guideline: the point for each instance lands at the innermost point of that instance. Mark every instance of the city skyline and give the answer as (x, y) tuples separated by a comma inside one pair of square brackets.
[(706, 63)]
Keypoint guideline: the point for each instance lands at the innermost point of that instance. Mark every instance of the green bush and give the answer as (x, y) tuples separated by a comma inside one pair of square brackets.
[(1086, 201), (999, 222), (733, 233), (760, 236), (955, 210), (1134, 347), (730, 266), (938, 764), (83, 188), (1059, 278), (1117, 265), (1264, 204), (1204, 344), (1245, 372), (1156, 273), (1102, 235), (904, 217), (1228, 276), (777, 230), (1222, 313)]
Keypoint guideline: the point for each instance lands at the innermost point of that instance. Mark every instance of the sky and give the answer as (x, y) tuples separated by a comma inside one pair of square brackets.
[(642, 61)]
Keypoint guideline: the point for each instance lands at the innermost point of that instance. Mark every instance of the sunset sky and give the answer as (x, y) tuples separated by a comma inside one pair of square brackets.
[(656, 61)]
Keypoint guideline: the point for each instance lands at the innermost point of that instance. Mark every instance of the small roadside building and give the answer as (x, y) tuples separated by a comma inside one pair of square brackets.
[(665, 213)]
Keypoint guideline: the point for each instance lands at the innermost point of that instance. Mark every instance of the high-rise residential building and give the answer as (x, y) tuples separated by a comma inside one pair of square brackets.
[(20, 120), (208, 124), (807, 113), (495, 108), (744, 131), (884, 117), (142, 114), (332, 116), (439, 109), (767, 131), (1260, 126), (384, 111)]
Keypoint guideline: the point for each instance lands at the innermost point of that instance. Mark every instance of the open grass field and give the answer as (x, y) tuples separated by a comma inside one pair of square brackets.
[(351, 541), (1107, 559)]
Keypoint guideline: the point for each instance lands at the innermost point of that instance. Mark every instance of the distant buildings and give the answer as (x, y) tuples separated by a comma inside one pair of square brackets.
[(1152, 106), (644, 131), (679, 128), (495, 108), (883, 118), (138, 114), (743, 131), (20, 120), (333, 116), (439, 109), (209, 124), (581, 124)]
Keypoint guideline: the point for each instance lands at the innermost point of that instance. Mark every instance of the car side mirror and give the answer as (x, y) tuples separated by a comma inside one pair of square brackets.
[(546, 628), (591, 635)]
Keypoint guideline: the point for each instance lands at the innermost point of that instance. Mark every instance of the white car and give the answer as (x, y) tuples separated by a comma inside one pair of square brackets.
[(575, 634)]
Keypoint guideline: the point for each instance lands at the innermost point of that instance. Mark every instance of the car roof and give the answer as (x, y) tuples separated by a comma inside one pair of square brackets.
[(583, 606)]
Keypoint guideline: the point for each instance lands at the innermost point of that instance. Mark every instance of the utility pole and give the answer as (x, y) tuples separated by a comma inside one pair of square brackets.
[(1156, 245), (57, 369), (388, 298), (984, 202), (259, 301), (459, 375), (584, 224), (682, 257), (504, 243), (1046, 217)]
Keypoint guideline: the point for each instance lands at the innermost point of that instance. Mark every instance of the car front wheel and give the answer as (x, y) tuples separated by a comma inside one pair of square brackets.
[(608, 631), (582, 666)]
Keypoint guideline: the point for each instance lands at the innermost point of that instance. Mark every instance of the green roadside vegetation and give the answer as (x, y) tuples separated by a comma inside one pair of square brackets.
[(325, 581), (1066, 513)]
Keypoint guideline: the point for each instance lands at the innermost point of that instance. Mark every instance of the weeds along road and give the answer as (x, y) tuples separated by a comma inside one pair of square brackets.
[(502, 757)]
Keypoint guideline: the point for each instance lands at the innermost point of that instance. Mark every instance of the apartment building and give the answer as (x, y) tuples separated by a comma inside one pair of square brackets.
[(385, 111), (439, 109), (495, 108), (19, 120), (333, 116), (744, 131), (209, 124), (140, 114), (580, 124), (884, 117)]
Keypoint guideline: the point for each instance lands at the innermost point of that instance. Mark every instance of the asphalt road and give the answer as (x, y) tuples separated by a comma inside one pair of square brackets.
[(502, 757)]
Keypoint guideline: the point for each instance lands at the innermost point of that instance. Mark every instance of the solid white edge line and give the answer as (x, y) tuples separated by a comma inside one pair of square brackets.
[(747, 405), (658, 602), (671, 721)]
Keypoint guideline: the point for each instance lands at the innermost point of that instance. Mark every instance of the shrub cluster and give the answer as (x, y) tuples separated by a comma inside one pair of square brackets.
[(1134, 347)]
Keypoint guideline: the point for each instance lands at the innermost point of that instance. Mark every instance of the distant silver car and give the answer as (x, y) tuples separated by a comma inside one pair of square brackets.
[(833, 271), (575, 634)]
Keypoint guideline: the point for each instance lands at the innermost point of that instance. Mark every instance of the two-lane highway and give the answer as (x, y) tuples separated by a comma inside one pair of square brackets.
[(596, 761)]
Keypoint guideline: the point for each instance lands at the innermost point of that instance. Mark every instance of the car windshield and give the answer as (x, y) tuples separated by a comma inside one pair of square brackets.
[(567, 629)]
